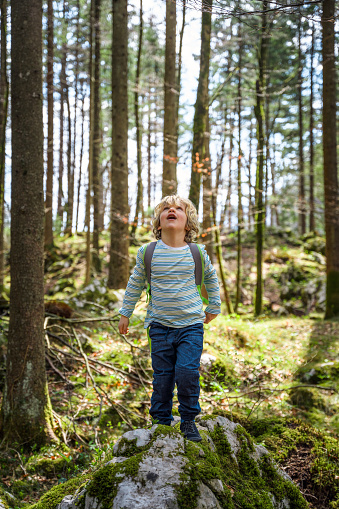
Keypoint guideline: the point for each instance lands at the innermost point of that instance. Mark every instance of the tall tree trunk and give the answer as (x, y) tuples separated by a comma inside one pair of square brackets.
[(330, 160), (302, 204), (70, 175), (169, 176), (90, 152), (4, 90), (250, 204), (149, 151), (240, 219), (201, 105), (138, 128), (119, 259), (50, 129), (60, 208), (179, 71), (96, 173), (228, 206), (260, 116), (312, 222), (76, 101), (83, 95), (26, 409), (274, 194), (218, 252), (207, 197)]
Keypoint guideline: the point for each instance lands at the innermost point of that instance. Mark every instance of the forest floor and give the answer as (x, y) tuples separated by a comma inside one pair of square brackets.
[(281, 369)]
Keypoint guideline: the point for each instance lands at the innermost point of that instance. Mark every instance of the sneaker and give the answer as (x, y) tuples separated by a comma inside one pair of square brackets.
[(190, 431)]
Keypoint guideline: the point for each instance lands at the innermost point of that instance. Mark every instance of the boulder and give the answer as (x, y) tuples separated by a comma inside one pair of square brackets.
[(157, 468)]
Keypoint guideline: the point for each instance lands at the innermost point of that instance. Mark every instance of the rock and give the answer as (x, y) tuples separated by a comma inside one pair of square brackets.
[(207, 499), (207, 360), (158, 468)]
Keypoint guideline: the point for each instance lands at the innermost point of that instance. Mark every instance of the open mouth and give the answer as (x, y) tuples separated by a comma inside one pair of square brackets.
[(171, 216)]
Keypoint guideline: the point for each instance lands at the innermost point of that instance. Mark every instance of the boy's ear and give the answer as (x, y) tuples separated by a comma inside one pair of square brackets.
[(159, 228)]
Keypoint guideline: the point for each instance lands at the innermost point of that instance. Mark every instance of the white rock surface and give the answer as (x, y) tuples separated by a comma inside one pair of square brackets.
[(161, 468)]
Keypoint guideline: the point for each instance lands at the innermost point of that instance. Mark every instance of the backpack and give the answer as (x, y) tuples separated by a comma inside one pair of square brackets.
[(198, 271)]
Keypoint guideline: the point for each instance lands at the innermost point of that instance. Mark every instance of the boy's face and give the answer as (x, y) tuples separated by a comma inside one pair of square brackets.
[(173, 217)]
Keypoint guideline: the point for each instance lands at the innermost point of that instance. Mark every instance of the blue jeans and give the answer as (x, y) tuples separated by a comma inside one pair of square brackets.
[(175, 360)]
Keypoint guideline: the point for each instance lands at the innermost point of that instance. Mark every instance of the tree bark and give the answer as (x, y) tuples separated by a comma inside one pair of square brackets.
[(207, 198), (169, 176), (50, 129), (330, 160), (96, 173), (240, 218), (312, 221), (83, 95), (4, 91), (302, 204), (88, 273), (60, 209), (119, 258), (138, 128), (260, 116), (26, 410), (201, 105), (70, 174)]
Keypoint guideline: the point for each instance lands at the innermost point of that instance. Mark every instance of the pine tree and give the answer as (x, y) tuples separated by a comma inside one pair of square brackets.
[(26, 410)]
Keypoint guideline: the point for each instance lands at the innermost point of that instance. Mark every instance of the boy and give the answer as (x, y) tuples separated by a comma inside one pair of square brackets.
[(175, 315)]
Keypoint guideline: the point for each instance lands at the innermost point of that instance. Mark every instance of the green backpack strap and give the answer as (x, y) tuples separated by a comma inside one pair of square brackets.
[(199, 270), (147, 259)]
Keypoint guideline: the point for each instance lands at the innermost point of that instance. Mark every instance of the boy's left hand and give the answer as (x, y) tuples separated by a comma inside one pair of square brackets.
[(209, 317)]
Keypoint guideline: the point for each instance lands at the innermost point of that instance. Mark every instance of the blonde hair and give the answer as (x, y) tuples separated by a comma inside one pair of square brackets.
[(191, 212)]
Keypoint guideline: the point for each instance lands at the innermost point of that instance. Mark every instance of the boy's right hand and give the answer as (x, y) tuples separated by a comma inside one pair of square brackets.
[(123, 325)]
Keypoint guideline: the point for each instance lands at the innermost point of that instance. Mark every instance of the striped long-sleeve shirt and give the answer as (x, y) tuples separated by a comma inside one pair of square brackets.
[(175, 300)]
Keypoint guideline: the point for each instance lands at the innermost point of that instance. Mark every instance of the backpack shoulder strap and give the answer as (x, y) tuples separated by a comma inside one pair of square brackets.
[(199, 270), (199, 261), (148, 254)]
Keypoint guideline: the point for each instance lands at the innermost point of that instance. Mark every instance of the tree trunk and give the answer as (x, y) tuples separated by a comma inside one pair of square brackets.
[(207, 198), (119, 258), (76, 101), (218, 252), (81, 152), (250, 186), (179, 71), (302, 204), (26, 409), (70, 175), (60, 209), (312, 222), (96, 173), (138, 129), (149, 151), (169, 176), (240, 219), (259, 206), (330, 160), (4, 90), (50, 129), (90, 152), (201, 105)]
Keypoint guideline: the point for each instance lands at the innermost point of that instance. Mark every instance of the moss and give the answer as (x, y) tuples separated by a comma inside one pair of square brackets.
[(279, 486), (104, 484), (306, 398), (51, 499)]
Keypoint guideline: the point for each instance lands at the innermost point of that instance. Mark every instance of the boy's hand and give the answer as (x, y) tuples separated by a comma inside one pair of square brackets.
[(209, 317), (123, 325)]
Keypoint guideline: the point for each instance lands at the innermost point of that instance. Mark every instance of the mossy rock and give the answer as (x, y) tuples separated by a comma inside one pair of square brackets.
[(157, 467), (7, 500), (306, 398)]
